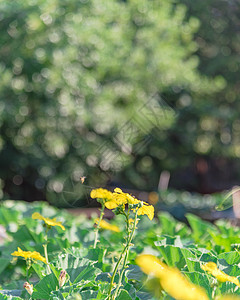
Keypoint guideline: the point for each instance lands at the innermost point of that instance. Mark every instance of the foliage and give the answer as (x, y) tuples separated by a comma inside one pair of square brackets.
[(89, 270), (93, 88)]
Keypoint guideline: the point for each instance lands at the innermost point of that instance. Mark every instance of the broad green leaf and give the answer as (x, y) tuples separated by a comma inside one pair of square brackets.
[(8, 216), (169, 240), (68, 261), (172, 256), (199, 227), (134, 273), (43, 289), (231, 258), (25, 234), (4, 262), (86, 273), (89, 295), (168, 223), (124, 295), (190, 258), (229, 288)]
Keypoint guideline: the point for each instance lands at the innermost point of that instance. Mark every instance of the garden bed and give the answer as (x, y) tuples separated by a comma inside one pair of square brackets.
[(71, 245)]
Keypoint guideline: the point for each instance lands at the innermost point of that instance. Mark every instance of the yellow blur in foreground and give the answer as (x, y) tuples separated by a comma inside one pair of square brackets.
[(212, 268), (49, 222), (171, 279), (105, 225)]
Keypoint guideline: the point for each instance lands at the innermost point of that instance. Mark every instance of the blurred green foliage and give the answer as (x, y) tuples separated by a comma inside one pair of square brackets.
[(105, 89)]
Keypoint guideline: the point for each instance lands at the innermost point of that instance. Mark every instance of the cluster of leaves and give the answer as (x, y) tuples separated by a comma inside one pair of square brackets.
[(89, 269)]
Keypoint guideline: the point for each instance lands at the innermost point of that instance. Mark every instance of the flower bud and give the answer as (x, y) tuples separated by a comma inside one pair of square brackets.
[(62, 278), (28, 287)]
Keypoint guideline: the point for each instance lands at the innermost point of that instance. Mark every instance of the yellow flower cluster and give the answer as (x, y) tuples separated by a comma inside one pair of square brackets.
[(118, 197), (49, 222), (106, 196), (101, 194), (29, 255), (171, 279), (123, 198), (105, 225), (212, 268), (146, 210)]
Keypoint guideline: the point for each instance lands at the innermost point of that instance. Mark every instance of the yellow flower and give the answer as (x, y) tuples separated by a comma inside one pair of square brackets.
[(171, 279), (212, 268), (106, 196), (111, 204), (146, 210), (29, 254), (120, 197), (101, 194), (124, 198), (105, 225), (50, 222)]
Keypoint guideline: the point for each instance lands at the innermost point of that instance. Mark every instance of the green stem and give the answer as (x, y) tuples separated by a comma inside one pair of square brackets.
[(130, 237), (46, 256), (27, 276), (28, 264), (98, 226), (114, 273)]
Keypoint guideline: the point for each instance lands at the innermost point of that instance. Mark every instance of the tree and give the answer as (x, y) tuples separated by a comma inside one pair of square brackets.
[(80, 83)]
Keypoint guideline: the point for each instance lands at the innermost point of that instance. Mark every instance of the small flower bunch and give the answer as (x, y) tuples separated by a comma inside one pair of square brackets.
[(30, 257), (126, 205), (118, 199)]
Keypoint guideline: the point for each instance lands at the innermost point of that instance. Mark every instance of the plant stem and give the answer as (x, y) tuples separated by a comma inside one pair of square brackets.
[(46, 256), (124, 254), (27, 262), (98, 226), (114, 273), (130, 237)]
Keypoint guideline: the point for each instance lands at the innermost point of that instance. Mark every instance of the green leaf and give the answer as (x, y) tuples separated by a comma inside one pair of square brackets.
[(68, 261), (25, 234), (134, 273), (231, 258), (8, 216), (44, 288), (83, 273), (169, 240), (201, 280), (97, 254), (89, 295), (168, 223), (172, 256), (124, 295), (4, 262), (7, 295), (199, 227)]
